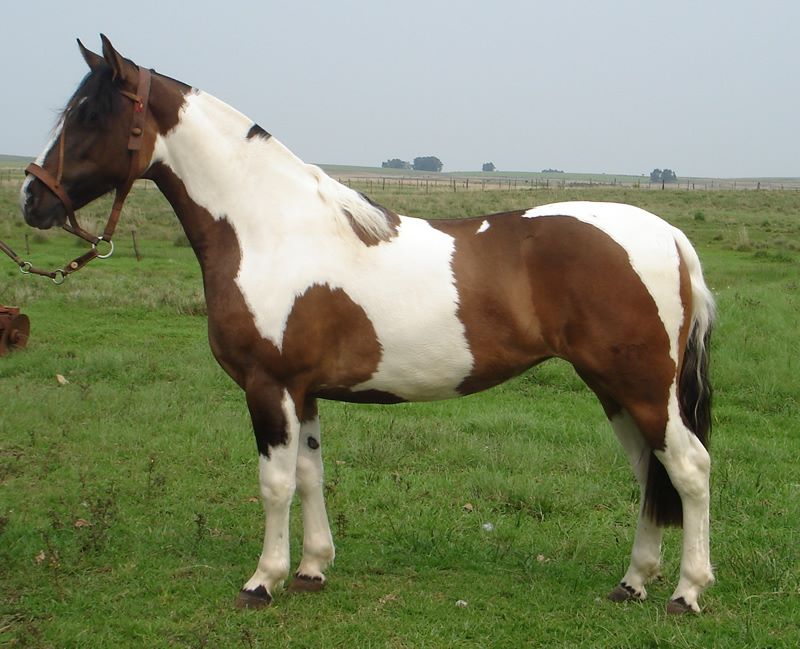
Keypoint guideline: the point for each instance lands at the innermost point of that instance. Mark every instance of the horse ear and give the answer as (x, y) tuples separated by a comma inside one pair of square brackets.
[(92, 60), (121, 68)]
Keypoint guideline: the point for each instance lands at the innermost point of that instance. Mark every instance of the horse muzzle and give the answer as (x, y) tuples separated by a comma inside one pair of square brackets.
[(41, 209)]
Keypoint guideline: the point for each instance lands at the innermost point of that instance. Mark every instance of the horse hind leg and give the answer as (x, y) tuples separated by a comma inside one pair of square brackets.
[(688, 464), (677, 491), (646, 554), (318, 549)]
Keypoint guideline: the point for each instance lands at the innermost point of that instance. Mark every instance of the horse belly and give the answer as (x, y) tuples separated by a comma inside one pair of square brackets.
[(421, 364)]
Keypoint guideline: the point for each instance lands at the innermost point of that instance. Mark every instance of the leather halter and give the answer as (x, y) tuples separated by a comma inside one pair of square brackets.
[(53, 183)]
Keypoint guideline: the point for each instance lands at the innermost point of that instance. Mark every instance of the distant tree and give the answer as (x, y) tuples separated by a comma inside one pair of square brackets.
[(663, 176), (669, 176), (488, 166), (427, 163), (396, 163), (552, 171)]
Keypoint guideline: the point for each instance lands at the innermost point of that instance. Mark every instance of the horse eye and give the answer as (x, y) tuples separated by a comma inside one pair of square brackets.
[(87, 115)]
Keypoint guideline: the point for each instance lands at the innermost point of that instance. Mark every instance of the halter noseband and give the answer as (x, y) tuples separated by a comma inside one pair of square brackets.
[(53, 183)]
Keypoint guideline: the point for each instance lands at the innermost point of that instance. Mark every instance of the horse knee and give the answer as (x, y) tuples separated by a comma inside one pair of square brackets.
[(277, 489)]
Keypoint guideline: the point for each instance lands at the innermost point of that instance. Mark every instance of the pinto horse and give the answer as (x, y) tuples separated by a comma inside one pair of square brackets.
[(316, 292)]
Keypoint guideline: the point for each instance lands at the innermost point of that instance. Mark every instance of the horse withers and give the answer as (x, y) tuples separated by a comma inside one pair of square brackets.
[(315, 292)]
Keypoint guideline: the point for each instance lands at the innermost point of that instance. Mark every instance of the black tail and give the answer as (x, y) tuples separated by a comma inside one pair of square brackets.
[(662, 502)]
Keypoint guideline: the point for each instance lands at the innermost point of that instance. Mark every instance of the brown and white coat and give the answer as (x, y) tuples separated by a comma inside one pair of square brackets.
[(314, 291)]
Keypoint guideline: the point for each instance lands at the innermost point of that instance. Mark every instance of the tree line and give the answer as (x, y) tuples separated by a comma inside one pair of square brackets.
[(663, 176), (421, 163), (433, 163)]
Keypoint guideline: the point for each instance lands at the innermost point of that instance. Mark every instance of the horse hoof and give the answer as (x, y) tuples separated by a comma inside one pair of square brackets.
[(306, 584), (679, 607), (623, 593), (258, 598)]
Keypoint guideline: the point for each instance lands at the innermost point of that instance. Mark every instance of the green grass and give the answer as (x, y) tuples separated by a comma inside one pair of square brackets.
[(149, 443)]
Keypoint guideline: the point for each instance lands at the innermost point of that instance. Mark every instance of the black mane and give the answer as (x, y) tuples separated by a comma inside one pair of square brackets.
[(102, 99)]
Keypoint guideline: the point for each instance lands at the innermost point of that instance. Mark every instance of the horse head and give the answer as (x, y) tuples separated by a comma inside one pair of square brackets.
[(103, 140)]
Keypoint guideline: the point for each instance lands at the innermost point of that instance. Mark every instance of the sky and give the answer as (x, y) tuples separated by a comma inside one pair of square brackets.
[(703, 87)]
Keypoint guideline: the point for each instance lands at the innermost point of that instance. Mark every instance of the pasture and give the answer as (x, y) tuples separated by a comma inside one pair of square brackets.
[(129, 511)]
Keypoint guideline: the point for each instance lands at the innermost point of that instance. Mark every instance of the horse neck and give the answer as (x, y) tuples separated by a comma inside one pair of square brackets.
[(224, 162), (215, 165)]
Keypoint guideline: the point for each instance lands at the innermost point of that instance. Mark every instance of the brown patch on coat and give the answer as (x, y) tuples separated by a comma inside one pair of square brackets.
[(502, 327), (533, 288), (367, 237), (597, 314), (167, 97)]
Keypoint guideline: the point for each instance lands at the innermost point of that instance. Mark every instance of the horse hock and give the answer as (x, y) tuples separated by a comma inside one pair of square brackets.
[(15, 328)]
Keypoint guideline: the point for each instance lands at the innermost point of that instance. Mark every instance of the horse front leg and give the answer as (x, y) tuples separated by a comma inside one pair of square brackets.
[(318, 550), (277, 427)]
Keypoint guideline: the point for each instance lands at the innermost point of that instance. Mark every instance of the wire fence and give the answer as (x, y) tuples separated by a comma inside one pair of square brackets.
[(509, 183), (443, 182)]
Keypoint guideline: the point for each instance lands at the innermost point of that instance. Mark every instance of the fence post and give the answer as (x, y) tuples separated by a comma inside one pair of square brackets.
[(135, 246)]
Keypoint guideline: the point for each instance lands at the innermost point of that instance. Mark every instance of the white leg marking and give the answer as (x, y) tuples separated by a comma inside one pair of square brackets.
[(689, 465), (318, 550), (646, 555), (277, 482)]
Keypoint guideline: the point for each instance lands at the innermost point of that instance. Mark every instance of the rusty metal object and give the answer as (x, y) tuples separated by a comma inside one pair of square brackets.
[(15, 328)]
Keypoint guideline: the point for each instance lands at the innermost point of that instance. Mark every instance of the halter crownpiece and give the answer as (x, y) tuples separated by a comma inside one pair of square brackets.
[(135, 138)]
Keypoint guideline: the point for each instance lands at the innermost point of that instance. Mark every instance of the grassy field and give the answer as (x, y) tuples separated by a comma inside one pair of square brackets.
[(128, 496)]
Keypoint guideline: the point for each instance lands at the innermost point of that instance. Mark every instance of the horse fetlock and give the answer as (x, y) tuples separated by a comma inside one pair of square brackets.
[(270, 574), (316, 558), (319, 547), (686, 595)]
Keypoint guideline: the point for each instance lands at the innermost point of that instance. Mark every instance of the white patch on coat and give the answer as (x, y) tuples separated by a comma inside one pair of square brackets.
[(293, 235), (484, 226), (651, 246)]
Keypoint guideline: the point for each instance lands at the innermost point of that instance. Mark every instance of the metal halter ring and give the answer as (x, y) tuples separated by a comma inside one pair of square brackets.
[(58, 280), (25, 267), (110, 251)]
